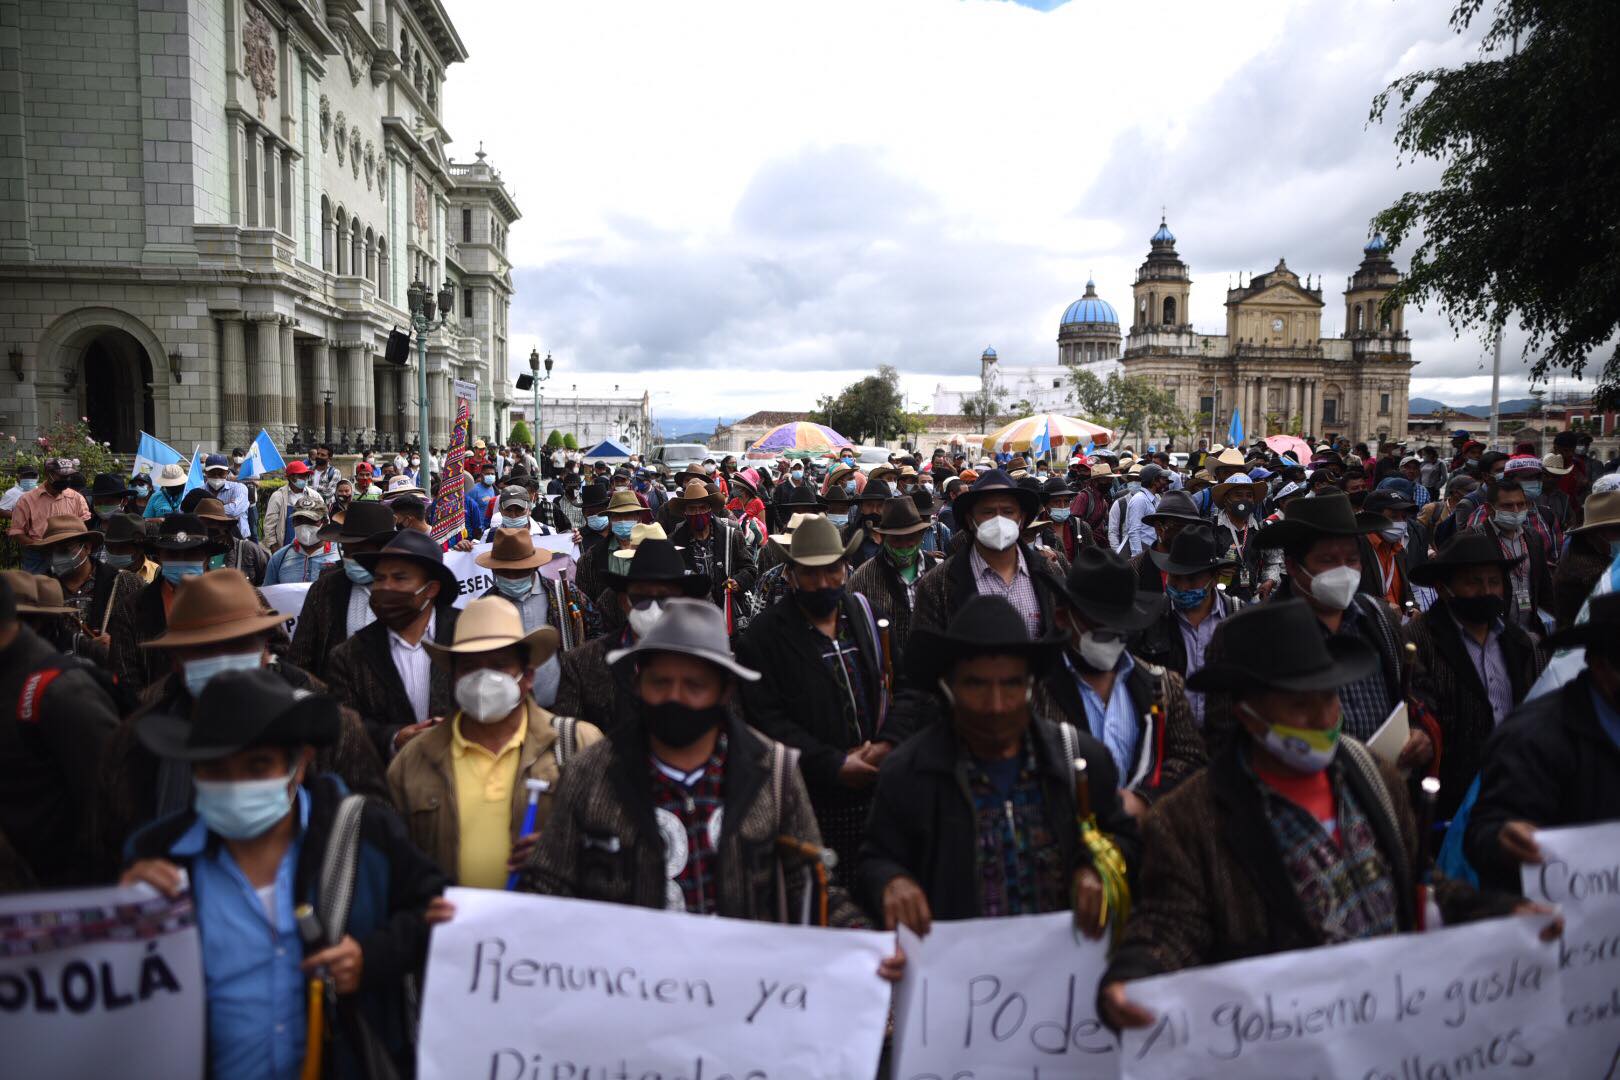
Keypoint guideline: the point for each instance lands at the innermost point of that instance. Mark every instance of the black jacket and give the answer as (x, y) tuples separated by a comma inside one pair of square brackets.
[(1161, 642), (324, 623), (394, 882), (721, 531), (923, 823), (363, 676), (1550, 764)]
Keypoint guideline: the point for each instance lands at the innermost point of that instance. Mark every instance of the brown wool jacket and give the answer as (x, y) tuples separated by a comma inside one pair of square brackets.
[(421, 780), (363, 677), (602, 841), (586, 688)]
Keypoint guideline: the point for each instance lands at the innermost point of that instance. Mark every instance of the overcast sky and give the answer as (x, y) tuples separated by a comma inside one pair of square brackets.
[(741, 204)]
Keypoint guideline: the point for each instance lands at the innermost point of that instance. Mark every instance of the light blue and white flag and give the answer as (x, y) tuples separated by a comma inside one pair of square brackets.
[(1568, 663), (194, 479), (1234, 433), (152, 455), (262, 457)]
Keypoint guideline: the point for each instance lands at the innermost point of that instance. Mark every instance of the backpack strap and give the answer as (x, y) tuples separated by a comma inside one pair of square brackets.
[(338, 865), (567, 729)]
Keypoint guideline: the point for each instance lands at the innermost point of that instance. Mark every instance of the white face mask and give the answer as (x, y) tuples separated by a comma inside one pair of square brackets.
[(997, 534), (1394, 532), (1102, 655), (308, 535), (642, 619), (215, 483), (487, 696), (1337, 587)]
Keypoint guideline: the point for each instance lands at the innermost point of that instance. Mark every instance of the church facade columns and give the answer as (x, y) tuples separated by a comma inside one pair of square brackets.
[(289, 380), (233, 380), (266, 408)]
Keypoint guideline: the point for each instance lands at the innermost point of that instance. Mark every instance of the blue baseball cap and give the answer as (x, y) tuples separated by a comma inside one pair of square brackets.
[(216, 461)]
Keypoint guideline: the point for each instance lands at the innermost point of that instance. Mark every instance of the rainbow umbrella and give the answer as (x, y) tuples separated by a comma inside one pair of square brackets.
[(800, 439), (1042, 433)]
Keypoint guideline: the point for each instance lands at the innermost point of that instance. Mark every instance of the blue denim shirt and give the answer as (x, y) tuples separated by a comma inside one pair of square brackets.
[(250, 968), (1113, 721), (291, 565)]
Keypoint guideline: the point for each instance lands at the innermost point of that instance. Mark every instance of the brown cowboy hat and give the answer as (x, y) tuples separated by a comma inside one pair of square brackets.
[(513, 549), (221, 605), (212, 510), (900, 518), (697, 491), (489, 623), (816, 543), (61, 528), (1601, 510), (26, 588)]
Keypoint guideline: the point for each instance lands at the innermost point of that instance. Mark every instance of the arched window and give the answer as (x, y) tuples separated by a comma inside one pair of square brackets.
[(383, 279), (340, 265), (371, 254), (326, 234), (1169, 311), (357, 252), (1360, 318)]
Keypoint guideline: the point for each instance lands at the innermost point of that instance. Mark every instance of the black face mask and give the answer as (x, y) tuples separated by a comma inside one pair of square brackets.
[(1357, 498), (674, 724), (1478, 610), (1239, 509), (818, 603)]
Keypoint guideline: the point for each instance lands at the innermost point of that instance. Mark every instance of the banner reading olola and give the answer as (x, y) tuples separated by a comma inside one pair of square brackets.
[(520, 987), (1002, 999), (1475, 1000), (1580, 875), (100, 982)]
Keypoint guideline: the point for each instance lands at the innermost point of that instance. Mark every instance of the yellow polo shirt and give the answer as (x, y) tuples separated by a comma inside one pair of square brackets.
[(484, 805)]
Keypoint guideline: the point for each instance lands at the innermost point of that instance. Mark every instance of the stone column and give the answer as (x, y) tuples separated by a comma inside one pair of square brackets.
[(267, 377), (438, 410), (272, 186), (386, 399), (321, 373), (354, 389), (289, 379), (233, 381), (369, 369)]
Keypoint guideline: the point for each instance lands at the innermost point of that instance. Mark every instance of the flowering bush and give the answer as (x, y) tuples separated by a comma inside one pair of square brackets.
[(64, 438)]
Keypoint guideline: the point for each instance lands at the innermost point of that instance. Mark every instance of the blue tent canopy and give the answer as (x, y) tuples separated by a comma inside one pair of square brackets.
[(607, 450)]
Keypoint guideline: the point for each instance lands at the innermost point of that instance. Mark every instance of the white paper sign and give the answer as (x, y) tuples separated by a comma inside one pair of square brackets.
[(475, 580), (1475, 1000), (1580, 875), (289, 600), (100, 982), (521, 986), (1002, 999)]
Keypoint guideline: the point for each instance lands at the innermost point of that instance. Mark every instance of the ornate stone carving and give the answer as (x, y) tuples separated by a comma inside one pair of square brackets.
[(259, 54), (326, 121), (341, 130), (371, 161), (354, 55), (420, 205), (354, 152)]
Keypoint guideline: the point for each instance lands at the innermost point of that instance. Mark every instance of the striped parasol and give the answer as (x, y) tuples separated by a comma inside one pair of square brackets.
[(799, 439), (1043, 432)]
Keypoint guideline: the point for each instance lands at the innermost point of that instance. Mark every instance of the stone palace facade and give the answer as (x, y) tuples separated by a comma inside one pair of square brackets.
[(210, 212)]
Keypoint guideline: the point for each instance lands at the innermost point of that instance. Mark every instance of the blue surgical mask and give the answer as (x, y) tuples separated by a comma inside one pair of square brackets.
[(839, 520), (515, 521), (1059, 514), (199, 672), (515, 588), (243, 809), (623, 529), (849, 487), (119, 562), (1186, 599), (28, 483), (356, 573), (1532, 488), (296, 483), (596, 522), (175, 572)]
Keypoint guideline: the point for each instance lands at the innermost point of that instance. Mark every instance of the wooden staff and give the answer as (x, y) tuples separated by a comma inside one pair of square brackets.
[(888, 658), (1431, 796), (564, 616)]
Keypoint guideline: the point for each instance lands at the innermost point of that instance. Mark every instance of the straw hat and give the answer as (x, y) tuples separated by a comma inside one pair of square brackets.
[(1602, 509), (513, 549), (221, 605), (1553, 465), (171, 476), (491, 623)]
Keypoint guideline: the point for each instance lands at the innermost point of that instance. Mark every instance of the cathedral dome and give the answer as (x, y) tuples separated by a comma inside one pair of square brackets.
[(1164, 235), (1090, 309), (989, 354), (1375, 246)]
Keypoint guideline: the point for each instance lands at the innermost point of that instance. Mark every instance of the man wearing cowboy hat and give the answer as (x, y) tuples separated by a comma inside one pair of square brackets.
[(822, 684), (1322, 540), (1295, 836), (861, 530), (1511, 522), (540, 601), (624, 512), (56, 721), (641, 580), (773, 585), (124, 549), (384, 671), (237, 552), (68, 546), (306, 555), (1137, 710), (1064, 534), (975, 816), (1178, 639), (217, 623), (461, 786), (1592, 547), (682, 808), (1236, 502), (108, 495), (1093, 480), (711, 543), (278, 512), (1175, 512), (1400, 545), (1556, 760), (338, 605), (182, 549), (1472, 668), (889, 582), (56, 497), (262, 822)]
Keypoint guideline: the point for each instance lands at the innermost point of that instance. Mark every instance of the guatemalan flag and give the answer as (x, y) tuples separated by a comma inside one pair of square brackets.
[(194, 479), (152, 455), (262, 457), (1234, 432)]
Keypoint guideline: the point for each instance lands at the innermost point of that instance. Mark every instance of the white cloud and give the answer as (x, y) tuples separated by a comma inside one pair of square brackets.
[(741, 205)]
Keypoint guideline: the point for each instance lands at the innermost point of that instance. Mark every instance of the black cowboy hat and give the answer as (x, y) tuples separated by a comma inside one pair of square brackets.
[(1102, 586), (238, 710), (1323, 515), (125, 529), (1174, 506), (1386, 499), (422, 549), (789, 496), (658, 562), (985, 626), (185, 532), (1058, 485), (874, 489), (900, 517), (108, 484), (593, 495), (995, 482), (1279, 646), (1193, 551), (363, 522), (1470, 547)]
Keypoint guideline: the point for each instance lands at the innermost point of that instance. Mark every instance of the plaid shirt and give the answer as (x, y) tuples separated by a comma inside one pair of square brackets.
[(1020, 594), (1020, 870), (1344, 885), (1365, 703), (696, 805)]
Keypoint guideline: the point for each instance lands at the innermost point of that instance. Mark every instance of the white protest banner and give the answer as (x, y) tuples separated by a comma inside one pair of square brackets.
[(1002, 999), (100, 982), (1481, 999), (1580, 875), (525, 987), (289, 600)]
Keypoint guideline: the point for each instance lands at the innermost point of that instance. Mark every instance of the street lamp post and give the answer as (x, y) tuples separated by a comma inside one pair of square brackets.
[(534, 372), (423, 323)]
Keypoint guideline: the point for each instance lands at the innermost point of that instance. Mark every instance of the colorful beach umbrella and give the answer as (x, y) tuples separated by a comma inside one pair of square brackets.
[(799, 438), (1043, 432)]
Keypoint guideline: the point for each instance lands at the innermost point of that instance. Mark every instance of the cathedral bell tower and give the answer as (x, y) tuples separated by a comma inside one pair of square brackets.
[(1365, 294), (1162, 288)]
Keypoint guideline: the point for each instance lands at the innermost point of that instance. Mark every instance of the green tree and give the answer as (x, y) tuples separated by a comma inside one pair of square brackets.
[(569, 442), (554, 441), (1131, 404), (520, 434), (983, 405), (866, 411), (1522, 223)]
